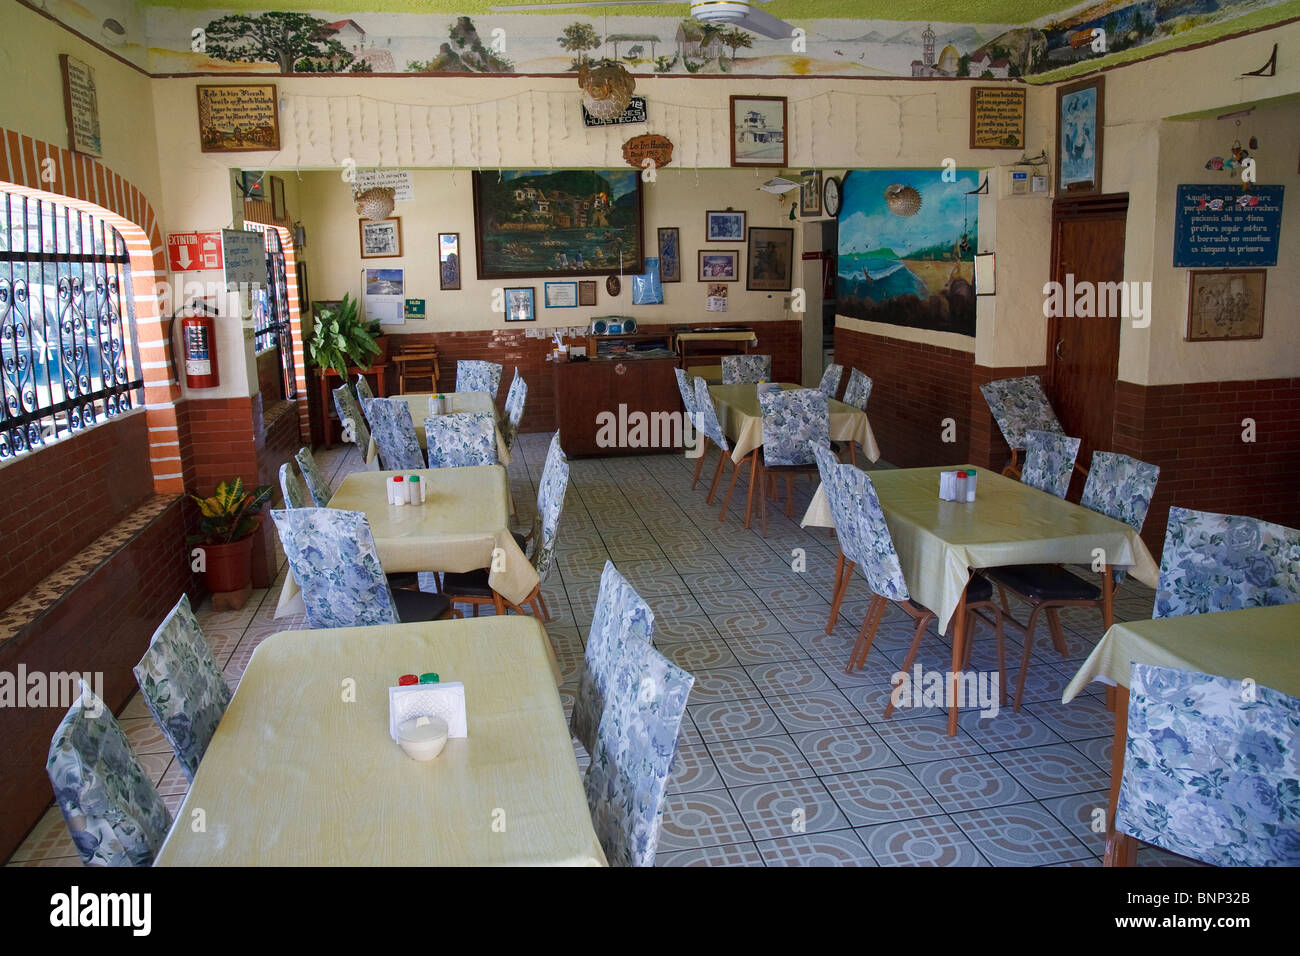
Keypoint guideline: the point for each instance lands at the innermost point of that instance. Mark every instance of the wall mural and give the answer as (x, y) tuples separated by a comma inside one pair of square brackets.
[(163, 39)]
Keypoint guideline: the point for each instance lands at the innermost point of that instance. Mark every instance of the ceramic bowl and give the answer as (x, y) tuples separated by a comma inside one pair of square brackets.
[(422, 738)]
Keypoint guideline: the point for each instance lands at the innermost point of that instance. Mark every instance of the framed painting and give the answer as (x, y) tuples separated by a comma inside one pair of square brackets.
[(381, 238), (719, 265), (538, 223), (771, 259), (1225, 304), (997, 117), (448, 260), (1080, 125), (278, 210), (758, 125), (521, 304), (238, 118), (587, 292), (724, 225), (810, 192), (80, 106), (670, 254)]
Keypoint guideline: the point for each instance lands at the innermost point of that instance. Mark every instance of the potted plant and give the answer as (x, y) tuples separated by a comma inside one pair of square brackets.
[(225, 539), (341, 340)]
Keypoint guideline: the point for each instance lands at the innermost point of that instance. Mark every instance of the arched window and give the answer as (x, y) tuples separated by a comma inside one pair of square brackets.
[(67, 323)]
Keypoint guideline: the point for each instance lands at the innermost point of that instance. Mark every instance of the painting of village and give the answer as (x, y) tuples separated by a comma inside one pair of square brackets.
[(531, 223), (163, 39)]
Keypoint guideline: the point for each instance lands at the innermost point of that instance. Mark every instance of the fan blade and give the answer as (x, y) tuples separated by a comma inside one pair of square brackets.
[(759, 22)]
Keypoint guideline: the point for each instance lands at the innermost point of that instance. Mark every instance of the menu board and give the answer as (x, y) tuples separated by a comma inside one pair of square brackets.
[(80, 106), (1225, 227), (997, 117), (238, 119)]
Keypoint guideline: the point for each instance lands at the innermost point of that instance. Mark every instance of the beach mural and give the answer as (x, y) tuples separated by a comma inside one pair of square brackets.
[(473, 39), (907, 243)]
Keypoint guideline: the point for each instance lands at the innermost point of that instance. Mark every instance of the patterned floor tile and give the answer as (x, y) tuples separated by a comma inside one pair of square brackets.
[(969, 783), (1055, 770), (759, 760), (721, 683), (839, 750), (1083, 814), (718, 602), (48, 840), (694, 820), (792, 595), (788, 807), (836, 848), (1080, 719), (763, 648), (817, 710), (880, 796), (1097, 750), (1023, 835), (732, 719), (782, 678), (925, 738), (693, 770), (1009, 730), (931, 841), (680, 629), (737, 854), (697, 656)]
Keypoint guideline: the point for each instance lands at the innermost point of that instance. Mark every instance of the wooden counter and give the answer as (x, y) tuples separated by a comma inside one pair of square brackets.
[(641, 386)]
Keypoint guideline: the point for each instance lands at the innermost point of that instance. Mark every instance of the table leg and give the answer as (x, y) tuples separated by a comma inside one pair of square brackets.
[(327, 431), (958, 655), (1121, 849), (1108, 597)]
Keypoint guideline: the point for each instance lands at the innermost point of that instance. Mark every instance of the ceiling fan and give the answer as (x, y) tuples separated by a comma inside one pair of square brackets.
[(739, 13)]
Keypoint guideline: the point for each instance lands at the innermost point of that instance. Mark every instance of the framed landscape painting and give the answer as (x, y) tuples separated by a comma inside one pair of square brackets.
[(537, 223)]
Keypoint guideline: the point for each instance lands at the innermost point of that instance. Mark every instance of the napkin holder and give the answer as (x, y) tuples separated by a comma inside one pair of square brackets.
[(437, 405), (428, 700)]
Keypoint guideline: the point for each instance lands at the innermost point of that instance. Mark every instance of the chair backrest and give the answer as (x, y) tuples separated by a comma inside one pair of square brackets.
[(860, 525), (1209, 771), (295, 492), (1049, 461), (182, 686), (394, 431), (553, 453), (461, 439), (333, 559), (364, 394), (1019, 404), (636, 744), (740, 369), (318, 486), (550, 504), (620, 617), (515, 399), (830, 383), (793, 422), (477, 376), (858, 390), (1214, 562), (1120, 486), (351, 418), (115, 815), (687, 390), (706, 415)]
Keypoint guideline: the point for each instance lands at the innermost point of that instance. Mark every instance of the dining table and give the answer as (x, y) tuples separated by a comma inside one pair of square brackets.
[(463, 525), (939, 542), (418, 402), (303, 771), (1261, 644), (741, 419)]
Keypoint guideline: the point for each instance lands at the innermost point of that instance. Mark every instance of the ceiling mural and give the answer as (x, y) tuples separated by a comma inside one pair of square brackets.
[(473, 36)]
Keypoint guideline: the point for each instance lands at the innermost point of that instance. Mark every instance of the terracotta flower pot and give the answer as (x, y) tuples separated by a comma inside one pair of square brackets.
[(229, 567)]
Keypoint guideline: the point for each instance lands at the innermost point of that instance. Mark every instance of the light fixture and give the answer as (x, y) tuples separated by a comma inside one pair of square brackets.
[(606, 89)]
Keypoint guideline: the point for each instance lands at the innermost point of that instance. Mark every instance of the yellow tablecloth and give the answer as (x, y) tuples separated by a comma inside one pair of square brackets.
[(465, 516), (742, 420), (299, 775), (1008, 523), (1260, 643), (750, 337), (460, 402)]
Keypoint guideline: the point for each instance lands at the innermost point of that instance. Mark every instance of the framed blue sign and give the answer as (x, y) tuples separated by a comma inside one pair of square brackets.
[(1224, 227)]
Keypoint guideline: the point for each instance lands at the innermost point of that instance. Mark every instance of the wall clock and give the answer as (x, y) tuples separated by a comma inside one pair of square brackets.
[(831, 196)]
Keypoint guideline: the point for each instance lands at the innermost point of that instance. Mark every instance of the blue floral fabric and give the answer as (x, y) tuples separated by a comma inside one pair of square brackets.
[(620, 617), (1213, 562), (741, 369), (476, 376), (858, 390), (1018, 405), (318, 486), (364, 394), (687, 390), (461, 439), (1210, 768), (515, 399), (830, 383), (351, 419), (390, 420), (636, 744), (1049, 461), (706, 416), (793, 422), (115, 815), (295, 493), (183, 686), (333, 559), (860, 525), (1121, 487), (550, 503)]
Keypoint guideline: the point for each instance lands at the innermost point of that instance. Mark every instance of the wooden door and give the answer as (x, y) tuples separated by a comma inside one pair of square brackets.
[(1083, 350)]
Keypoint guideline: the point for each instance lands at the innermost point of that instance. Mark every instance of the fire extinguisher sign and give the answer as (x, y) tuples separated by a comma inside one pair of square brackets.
[(194, 251)]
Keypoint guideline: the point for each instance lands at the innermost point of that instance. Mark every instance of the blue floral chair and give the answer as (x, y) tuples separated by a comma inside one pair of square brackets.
[(394, 431), (1209, 772), (333, 559), (515, 400), (830, 383), (794, 422), (746, 369), (115, 815), (704, 415), (1119, 487), (1018, 405), (364, 395), (1214, 562), (352, 421), (636, 743), (857, 391), (620, 617), (687, 391), (295, 493), (476, 376), (318, 486), (1049, 461), (461, 440), (182, 686)]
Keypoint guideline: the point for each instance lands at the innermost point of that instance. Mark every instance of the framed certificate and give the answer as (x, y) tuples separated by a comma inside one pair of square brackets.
[(560, 295)]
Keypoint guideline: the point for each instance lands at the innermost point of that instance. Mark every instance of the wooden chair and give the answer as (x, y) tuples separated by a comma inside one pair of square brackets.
[(416, 362)]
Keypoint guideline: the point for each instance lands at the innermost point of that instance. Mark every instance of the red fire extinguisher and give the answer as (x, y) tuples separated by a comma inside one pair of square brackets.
[(199, 333)]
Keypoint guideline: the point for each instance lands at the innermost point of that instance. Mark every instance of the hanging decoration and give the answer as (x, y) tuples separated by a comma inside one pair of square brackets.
[(376, 203), (607, 88), (902, 200)]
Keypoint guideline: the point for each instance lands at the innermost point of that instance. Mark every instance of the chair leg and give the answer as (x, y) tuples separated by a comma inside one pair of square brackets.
[(789, 496), (911, 655), (754, 469), (726, 502), (837, 592), (762, 504), (1058, 634), (1002, 662), (1024, 658), (866, 634), (853, 452), (1002, 594), (541, 601), (717, 473), (699, 465)]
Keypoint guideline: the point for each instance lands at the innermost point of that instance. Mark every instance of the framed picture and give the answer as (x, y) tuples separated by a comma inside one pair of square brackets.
[(670, 254), (539, 223), (758, 131), (587, 292), (1080, 124), (304, 300), (997, 117), (80, 106), (448, 260), (381, 238), (771, 254), (238, 118), (1225, 304), (560, 295), (719, 265), (253, 183), (810, 192), (521, 304), (278, 211), (724, 226)]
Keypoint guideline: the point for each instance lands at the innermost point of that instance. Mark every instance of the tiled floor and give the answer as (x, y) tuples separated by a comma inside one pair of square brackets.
[(784, 759)]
